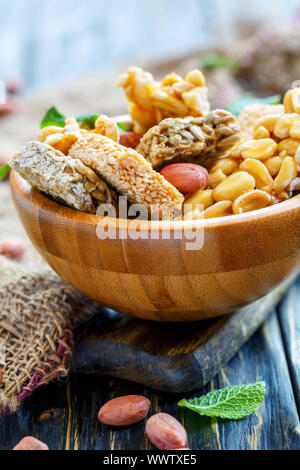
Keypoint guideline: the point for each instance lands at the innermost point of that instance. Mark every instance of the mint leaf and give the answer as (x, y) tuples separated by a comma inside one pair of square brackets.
[(237, 106), (53, 118), (122, 126), (87, 121), (216, 61), (230, 402), (4, 170)]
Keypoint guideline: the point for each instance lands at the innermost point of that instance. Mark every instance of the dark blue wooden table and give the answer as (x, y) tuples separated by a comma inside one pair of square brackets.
[(64, 414)]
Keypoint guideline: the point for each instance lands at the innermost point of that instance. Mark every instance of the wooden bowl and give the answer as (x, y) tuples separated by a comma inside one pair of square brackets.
[(243, 257)]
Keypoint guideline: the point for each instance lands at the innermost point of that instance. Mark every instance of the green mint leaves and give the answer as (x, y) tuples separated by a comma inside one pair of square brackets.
[(53, 118), (4, 170), (237, 106), (217, 61), (231, 402), (122, 126), (87, 121)]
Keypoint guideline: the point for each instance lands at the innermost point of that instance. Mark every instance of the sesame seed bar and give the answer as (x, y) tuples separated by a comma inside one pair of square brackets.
[(64, 178), (127, 172)]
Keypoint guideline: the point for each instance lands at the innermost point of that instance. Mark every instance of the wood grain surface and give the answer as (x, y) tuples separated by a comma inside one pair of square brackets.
[(169, 357), (64, 413), (243, 257)]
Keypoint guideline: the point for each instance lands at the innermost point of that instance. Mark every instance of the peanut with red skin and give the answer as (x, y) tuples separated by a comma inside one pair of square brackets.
[(30, 443), (13, 248), (165, 432), (130, 139), (123, 411), (9, 107), (186, 177), (1, 376)]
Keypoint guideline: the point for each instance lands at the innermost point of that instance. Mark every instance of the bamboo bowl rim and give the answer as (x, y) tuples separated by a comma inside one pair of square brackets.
[(27, 191)]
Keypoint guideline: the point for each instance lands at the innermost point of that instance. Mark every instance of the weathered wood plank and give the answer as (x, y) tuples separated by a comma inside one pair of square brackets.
[(289, 317), (276, 424), (178, 357), (65, 414)]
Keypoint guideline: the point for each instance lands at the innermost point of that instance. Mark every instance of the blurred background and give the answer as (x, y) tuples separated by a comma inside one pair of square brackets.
[(44, 43), (69, 52)]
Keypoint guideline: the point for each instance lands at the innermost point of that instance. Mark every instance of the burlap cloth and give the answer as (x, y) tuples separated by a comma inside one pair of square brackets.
[(39, 312)]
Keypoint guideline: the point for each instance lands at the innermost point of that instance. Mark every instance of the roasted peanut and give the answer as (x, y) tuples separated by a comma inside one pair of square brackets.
[(251, 201), (233, 186), (297, 156), (226, 165), (165, 432), (13, 248), (171, 79), (283, 125), (194, 214), (186, 177), (130, 139), (195, 77), (108, 127), (295, 185), (60, 138), (295, 129), (287, 173), (292, 101), (123, 411), (215, 178), (30, 443), (203, 197), (260, 173), (261, 133), (268, 122), (219, 209), (261, 149), (273, 164), (289, 145)]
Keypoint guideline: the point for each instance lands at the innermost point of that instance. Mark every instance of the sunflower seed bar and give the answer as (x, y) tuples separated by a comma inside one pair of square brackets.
[(64, 178), (189, 139), (127, 172)]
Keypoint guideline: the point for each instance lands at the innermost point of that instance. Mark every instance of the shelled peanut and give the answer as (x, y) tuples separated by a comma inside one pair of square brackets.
[(259, 172)]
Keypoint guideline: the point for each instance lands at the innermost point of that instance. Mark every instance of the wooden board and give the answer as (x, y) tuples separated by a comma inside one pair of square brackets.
[(169, 357), (64, 413)]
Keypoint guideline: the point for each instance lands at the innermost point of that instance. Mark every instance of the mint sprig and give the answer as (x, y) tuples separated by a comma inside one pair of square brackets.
[(53, 118), (231, 402), (237, 106), (4, 170), (87, 121), (122, 126)]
